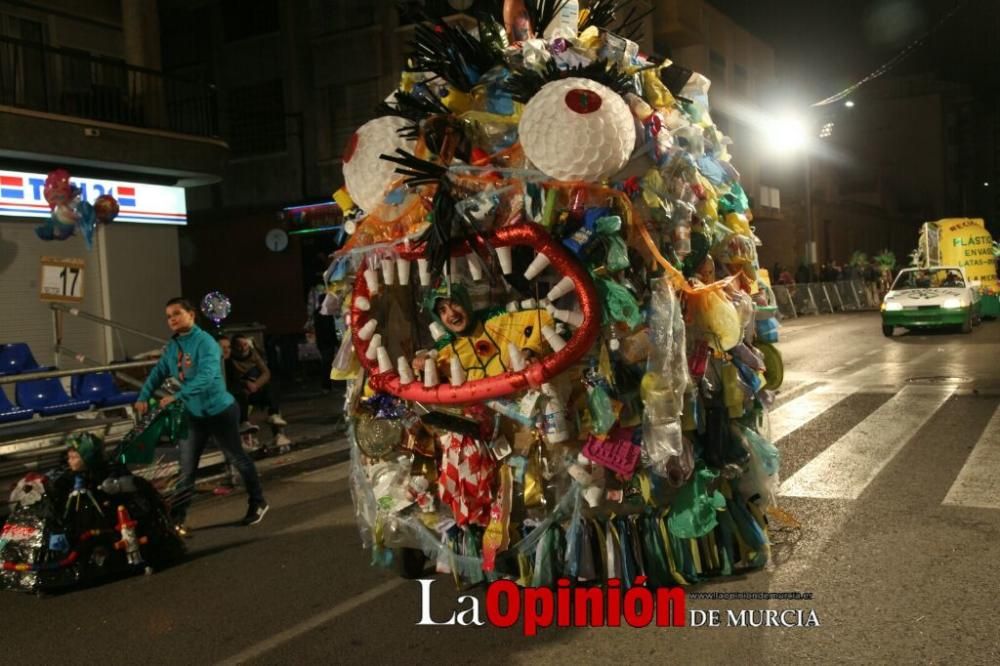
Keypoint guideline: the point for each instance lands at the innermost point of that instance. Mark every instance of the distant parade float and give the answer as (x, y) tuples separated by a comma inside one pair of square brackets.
[(560, 353)]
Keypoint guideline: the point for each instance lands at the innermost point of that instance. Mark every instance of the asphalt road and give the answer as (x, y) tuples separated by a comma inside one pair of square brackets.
[(890, 455)]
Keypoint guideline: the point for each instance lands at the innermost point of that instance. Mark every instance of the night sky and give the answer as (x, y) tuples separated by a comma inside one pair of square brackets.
[(823, 46)]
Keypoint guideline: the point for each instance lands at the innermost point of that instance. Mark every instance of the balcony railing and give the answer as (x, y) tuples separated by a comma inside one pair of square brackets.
[(72, 83)]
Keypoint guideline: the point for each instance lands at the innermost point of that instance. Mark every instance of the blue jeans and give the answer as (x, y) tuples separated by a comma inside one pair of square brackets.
[(225, 428)]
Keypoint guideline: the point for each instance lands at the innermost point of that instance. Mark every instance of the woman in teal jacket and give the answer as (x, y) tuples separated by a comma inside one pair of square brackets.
[(193, 359)]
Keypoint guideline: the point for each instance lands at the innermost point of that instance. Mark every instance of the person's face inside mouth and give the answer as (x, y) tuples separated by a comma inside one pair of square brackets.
[(453, 316)]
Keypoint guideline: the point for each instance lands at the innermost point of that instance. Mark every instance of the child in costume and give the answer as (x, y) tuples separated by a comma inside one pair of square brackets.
[(481, 338)]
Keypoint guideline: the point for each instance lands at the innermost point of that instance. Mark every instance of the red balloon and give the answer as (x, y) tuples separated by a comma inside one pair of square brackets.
[(57, 189), (106, 208), (509, 382)]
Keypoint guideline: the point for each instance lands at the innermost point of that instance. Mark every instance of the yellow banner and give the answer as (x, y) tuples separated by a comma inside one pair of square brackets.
[(965, 242)]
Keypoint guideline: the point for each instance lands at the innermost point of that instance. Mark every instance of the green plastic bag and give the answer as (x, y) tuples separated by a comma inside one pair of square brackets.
[(692, 513), (139, 446), (602, 414), (618, 303)]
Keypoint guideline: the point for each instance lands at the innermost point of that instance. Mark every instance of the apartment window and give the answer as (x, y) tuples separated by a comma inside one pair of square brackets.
[(256, 117), (242, 19), (22, 68), (716, 66), (770, 197), (741, 80)]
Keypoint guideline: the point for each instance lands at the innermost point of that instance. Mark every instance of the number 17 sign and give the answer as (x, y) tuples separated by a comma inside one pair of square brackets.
[(62, 279)]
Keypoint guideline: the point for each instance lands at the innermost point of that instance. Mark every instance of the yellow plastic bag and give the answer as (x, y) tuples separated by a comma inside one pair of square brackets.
[(715, 313)]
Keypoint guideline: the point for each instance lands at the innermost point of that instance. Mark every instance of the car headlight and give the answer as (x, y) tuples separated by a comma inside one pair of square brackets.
[(951, 304), (893, 307)]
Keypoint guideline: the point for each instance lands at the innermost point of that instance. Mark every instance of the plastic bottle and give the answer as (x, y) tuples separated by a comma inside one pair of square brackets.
[(554, 426)]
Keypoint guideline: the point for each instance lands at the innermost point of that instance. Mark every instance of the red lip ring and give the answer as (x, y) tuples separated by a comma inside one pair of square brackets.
[(534, 375)]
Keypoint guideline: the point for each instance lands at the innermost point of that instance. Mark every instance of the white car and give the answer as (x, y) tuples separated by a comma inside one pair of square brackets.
[(927, 297)]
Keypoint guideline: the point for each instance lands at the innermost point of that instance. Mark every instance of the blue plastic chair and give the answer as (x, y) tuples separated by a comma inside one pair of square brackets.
[(100, 389), (9, 412), (16, 358), (47, 397)]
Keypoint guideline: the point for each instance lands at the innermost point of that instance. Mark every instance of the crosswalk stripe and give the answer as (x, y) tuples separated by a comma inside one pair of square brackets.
[(846, 468), (978, 483), (799, 411)]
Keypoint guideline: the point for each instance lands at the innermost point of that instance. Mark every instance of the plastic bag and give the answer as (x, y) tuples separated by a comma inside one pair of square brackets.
[(761, 478), (717, 314), (692, 513), (667, 376), (602, 414)]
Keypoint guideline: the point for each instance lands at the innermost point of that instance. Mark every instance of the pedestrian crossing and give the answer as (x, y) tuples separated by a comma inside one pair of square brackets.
[(843, 469), (977, 484)]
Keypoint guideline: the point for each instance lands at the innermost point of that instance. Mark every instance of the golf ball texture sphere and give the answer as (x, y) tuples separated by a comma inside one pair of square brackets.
[(366, 176), (577, 129)]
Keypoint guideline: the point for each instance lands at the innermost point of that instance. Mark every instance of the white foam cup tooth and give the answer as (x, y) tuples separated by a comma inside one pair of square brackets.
[(403, 268), (556, 342), (506, 260), (404, 370), (423, 272), (592, 494), (373, 346), (537, 265), (457, 372), (389, 271), (512, 306), (384, 362), (437, 330), (561, 288), (362, 303), (571, 317), (371, 279), (430, 373), (516, 357), (529, 304), (368, 330), (475, 270)]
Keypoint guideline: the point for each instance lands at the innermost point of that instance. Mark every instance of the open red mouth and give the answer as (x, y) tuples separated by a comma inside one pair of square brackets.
[(535, 374)]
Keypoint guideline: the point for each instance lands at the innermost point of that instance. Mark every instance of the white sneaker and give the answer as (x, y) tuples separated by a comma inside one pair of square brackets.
[(282, 441), (246, 427), (276, 420)]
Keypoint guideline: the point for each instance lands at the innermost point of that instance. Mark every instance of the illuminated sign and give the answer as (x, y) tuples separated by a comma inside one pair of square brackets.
[(21, 196)]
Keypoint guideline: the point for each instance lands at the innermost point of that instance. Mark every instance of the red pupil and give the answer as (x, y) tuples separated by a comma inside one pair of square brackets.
[(352, 145), (583, 101)]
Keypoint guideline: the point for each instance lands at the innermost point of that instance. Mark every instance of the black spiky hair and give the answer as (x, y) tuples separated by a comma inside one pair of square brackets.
[(414, 107), (523, 84), (453, 54)]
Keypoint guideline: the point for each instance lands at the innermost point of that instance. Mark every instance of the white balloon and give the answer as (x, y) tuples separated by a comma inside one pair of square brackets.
[(365, 175), (577, 129)]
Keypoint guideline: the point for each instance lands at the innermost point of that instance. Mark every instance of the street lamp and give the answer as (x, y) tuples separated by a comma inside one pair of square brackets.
[(787, 134)]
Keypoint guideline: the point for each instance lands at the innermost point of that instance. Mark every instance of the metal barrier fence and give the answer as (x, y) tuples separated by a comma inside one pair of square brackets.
[(797, 300)]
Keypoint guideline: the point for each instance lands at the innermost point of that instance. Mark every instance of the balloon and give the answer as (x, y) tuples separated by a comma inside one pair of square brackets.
[(216, 306), (87, 222), (64, 214), (57, 189), (106, 207), (53, 229)]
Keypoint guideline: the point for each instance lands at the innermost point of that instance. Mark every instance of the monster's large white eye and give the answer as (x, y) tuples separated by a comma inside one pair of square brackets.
[(577, 129), (365, 175)]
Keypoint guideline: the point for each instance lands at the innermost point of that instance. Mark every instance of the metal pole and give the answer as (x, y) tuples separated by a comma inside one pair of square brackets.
[(810, 258), (107, 322), (46, 374)]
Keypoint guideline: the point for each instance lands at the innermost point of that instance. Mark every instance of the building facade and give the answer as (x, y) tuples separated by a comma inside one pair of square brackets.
[(81, 89)]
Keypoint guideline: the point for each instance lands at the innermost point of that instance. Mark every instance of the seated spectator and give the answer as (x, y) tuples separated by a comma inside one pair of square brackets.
[(251, 384)]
